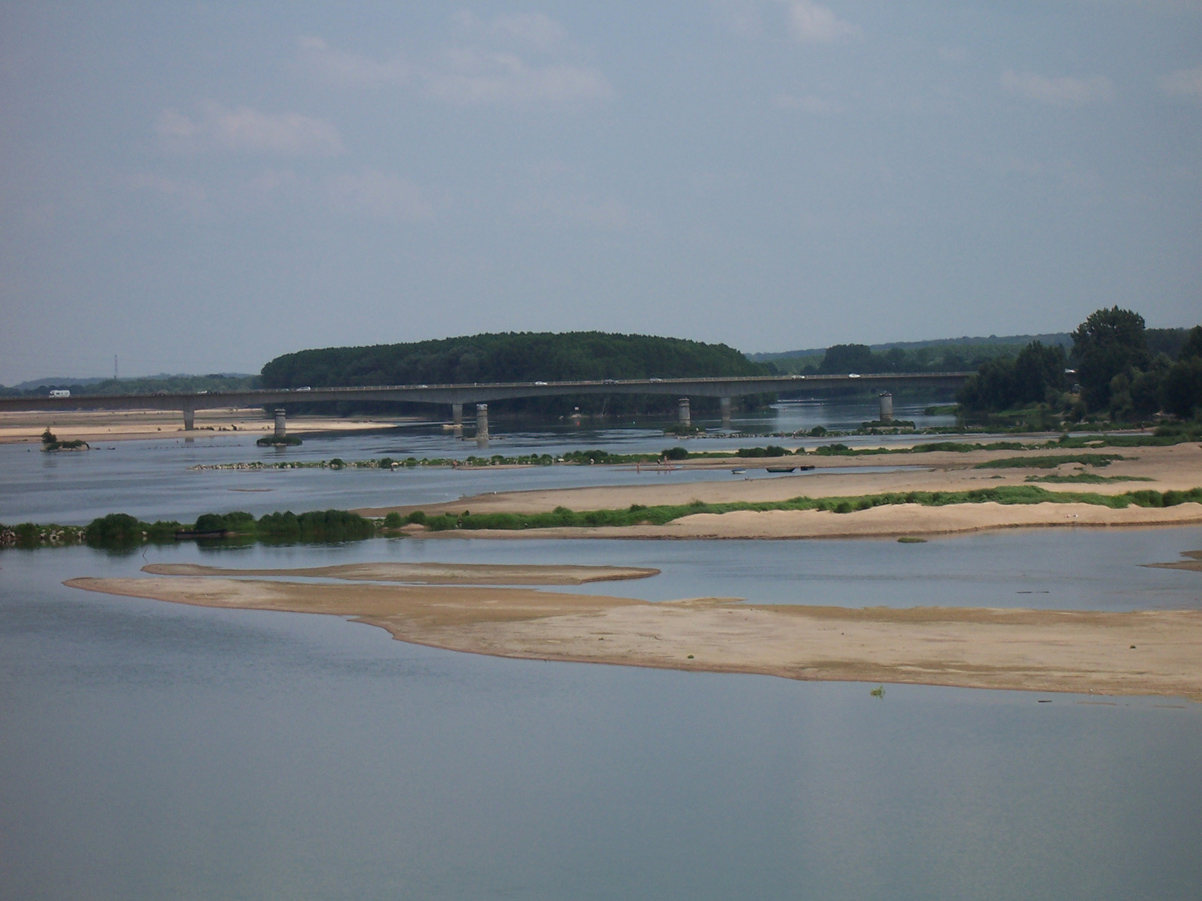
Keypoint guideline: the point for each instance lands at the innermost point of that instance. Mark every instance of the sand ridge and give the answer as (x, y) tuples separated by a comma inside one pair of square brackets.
[(99, 426), (1176, 467), (1141, 653), (428, 573)]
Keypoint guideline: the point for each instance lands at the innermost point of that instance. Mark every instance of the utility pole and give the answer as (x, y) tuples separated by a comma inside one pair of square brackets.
[(114, 367)]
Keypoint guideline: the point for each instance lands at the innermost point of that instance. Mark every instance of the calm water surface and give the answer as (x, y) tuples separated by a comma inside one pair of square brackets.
[(150, 750), (154, 480)]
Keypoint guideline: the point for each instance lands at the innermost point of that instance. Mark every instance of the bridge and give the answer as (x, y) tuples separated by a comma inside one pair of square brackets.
[(481, 393)]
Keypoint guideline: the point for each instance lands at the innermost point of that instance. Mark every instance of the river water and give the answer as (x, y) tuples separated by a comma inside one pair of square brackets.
[(150, 750)]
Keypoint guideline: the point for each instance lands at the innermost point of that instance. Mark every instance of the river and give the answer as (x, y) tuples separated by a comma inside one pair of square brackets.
[(150, 750)]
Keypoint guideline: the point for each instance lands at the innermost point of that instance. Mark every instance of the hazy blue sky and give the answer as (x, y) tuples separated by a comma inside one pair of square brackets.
[(199, 187)]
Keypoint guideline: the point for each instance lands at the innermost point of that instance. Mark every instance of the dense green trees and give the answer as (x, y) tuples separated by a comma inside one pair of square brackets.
[(1035, 376), (844, 358), (1106, 344), (511, 356), (1119, 377), (1181, 387), (516, 357)]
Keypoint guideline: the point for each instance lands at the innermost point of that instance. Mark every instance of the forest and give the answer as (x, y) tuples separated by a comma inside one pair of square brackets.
[(1116, 370), (522, 357)]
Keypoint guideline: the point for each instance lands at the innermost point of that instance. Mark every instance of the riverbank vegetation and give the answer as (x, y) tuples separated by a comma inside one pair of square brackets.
[(1116, 371), (638, 514), (120, 531), (50, 442)]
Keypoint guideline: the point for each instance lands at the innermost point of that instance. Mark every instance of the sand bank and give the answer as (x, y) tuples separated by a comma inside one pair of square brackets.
[(878, 522), (1144, 653), (428, 573), (97, 426), (1178, 467)]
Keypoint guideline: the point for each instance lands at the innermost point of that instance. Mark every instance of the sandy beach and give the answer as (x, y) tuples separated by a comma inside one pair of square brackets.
[(1177, 467), (428, 573), (1142, 653), (95, 426)]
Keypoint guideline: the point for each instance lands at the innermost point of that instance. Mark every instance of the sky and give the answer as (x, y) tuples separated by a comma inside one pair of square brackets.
[(199, 187)]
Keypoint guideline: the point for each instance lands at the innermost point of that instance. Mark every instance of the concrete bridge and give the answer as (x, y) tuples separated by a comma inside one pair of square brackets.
[(457, 395)]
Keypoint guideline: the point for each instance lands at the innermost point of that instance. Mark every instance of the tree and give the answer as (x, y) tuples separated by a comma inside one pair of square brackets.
[(1003, 384), (1193, 344), (1105, 345), (848, 358), (1038, 369), (1181, 390)]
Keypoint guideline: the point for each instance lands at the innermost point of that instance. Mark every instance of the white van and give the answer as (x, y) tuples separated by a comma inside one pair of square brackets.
[(60, 392)]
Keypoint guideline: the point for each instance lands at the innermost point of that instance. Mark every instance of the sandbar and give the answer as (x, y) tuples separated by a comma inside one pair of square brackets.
[(1139, 653), (98, 426), (428, 573), (1172, 468)]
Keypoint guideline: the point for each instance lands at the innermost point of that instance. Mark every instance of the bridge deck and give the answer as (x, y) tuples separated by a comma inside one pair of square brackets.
[(484, 392)]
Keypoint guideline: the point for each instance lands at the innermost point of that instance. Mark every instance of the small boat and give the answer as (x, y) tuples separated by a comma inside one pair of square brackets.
[(188, 534), (780, 468), (737, 472)]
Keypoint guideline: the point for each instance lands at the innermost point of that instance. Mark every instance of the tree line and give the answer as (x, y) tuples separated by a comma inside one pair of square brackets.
[(1113, 370), (520, 357)]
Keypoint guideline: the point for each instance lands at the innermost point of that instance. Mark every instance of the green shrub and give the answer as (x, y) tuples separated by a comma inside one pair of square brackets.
[(116, 529)]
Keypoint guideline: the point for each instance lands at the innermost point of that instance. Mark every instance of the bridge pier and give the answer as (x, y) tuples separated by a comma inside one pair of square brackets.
[(189, 419), (481, 425), (281, 429), (886, 414), (724, 403), (682, 412), (457, 418)]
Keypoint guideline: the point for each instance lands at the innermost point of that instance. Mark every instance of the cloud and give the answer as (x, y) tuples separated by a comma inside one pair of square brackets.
[(471, 76), (807, 103), (533, 30), (1059, 91), (349, 70), (609, 214), (510, 59), (246, 130), (1183, 83), (740, 16), (953, 55), (553, 190), (378, 195), (813, 24), (184, 193)]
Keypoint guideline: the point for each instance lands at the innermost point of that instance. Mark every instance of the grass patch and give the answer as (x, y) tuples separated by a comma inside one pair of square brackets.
[(279, 441), (659, 515), (1091, 478), (1050, 462)]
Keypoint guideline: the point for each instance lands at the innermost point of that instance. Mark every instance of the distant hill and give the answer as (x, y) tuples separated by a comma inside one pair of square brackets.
[(1063, 339), (217, 381), (517, 357)]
